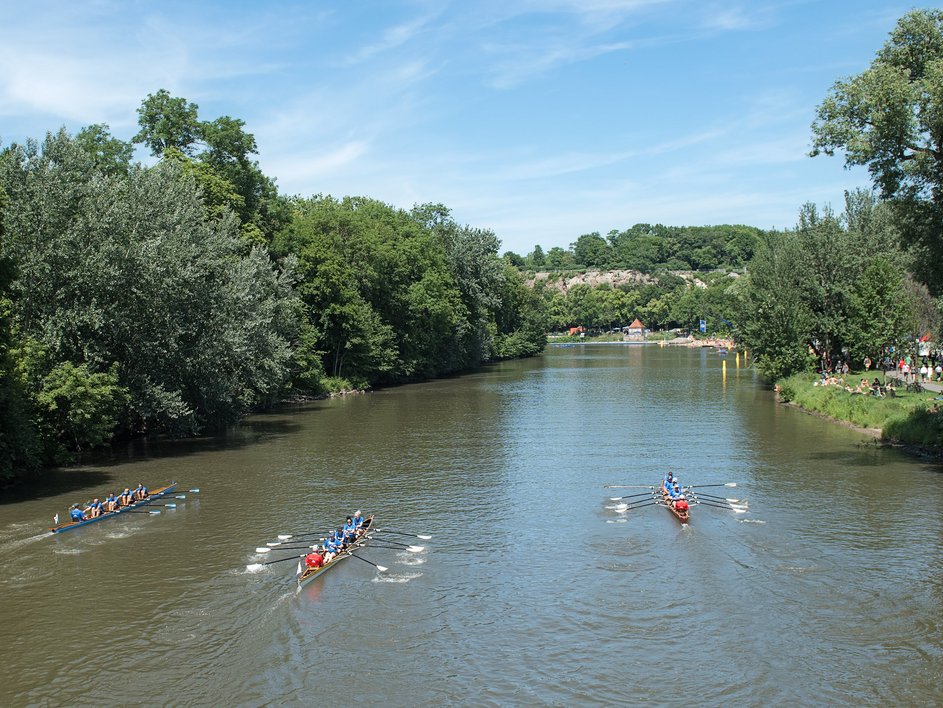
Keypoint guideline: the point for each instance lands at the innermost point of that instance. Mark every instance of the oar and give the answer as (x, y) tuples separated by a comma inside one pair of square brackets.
[(411, 549), (714, 496), (424, 537), (263, 549), (735, 509), (171, 505), (138, 511), (642, 506), (629, 496), (380, 568), (258, 566), (703, 486), (627, 486)]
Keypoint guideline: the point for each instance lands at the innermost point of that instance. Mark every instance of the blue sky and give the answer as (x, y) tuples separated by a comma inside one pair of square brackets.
[(542, 120)]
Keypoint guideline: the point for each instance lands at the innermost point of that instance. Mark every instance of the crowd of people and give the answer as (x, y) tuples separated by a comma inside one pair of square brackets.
[(337, 541), (113, 502)]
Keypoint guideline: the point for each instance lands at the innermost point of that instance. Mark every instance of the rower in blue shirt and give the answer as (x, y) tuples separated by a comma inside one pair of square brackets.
[(350, 531), (675, 491), (358, 519)]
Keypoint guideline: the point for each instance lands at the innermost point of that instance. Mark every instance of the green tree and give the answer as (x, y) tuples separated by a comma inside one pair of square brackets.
[(591, 250), (129, 271), (775, 319), (109, 155), (168, 122), (890, 118)]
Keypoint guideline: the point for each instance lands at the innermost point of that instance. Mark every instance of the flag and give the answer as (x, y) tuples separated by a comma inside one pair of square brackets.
[(298, 572), (55, 520)]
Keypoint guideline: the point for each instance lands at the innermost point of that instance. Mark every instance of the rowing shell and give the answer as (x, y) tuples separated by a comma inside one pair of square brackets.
[(156, 494), (683, 515), (310, 574)]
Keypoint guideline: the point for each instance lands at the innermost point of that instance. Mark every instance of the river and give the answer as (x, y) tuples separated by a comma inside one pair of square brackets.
[(534, 590)]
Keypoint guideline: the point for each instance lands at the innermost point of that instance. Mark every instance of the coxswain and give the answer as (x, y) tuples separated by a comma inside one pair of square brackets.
[(314, 559), (75, 513)]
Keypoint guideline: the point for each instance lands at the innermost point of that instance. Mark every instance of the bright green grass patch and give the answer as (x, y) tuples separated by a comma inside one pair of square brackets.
[(907, 417)]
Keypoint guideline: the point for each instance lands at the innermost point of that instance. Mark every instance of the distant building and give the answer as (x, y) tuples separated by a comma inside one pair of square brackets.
[(636, 328)]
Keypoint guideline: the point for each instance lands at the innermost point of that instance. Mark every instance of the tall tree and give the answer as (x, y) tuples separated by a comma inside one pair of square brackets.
[(890, 118), (168, 122)]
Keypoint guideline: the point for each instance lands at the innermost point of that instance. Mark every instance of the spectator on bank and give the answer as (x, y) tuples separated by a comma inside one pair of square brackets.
[(867, 363)]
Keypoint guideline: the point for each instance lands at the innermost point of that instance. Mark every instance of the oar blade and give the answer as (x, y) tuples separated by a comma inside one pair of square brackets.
[(153, 511), (424, 537), (283, 536), (260, 549), (382, 568), (415, 549), (254, 567), (272, 544)]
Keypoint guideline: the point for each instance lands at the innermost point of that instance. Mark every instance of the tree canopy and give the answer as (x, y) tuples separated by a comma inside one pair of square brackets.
[(890, 119)]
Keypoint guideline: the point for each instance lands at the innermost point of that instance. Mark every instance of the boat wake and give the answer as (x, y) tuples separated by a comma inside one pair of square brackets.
[(404, 578), (67, 551), (752, 521), (616, 521), (411, 560), (14, 545)]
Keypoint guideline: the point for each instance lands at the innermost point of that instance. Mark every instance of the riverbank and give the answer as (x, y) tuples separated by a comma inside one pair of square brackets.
[(910, 420)]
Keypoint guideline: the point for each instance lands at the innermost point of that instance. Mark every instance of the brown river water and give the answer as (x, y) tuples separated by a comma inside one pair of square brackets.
[(534, 590)]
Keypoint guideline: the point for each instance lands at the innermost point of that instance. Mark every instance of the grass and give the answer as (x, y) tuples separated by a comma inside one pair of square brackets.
[(913, 418)]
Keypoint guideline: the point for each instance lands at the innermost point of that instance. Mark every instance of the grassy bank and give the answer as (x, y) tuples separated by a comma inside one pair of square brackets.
[(908, 418)]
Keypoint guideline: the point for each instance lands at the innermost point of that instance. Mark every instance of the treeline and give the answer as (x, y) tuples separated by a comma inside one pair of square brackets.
[(667, 302), (173, 299), (650, 248)]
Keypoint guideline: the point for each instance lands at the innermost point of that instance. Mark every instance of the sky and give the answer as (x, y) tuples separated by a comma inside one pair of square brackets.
[(541, 120)]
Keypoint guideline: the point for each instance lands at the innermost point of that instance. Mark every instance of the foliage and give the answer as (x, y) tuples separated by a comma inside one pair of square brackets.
[(127, 270), (19, 443), (775, 319), (82, 408), (890, 118)]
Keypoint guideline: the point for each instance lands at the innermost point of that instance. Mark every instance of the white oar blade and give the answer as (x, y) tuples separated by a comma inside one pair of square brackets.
[(415, 549), (272, 544), (195, 491), (260, 549), (153, 511), (171, 506), (731, 484), (180, 496), (283, 536), (254, 567), (382, 568), (424, 537)]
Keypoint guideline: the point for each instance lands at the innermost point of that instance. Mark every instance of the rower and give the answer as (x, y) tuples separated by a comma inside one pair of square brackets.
[(94, 509), (111, 502), (140, 492), (358, 519), (350, 530), (330, 549), (339, 539), (669, 479), (75, 513)]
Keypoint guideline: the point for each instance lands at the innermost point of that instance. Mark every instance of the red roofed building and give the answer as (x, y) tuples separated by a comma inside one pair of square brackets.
[(636, 327)]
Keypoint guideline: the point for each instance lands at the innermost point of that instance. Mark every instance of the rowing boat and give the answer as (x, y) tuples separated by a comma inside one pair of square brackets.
[(310, 574), (683, 513), (153, 496)]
